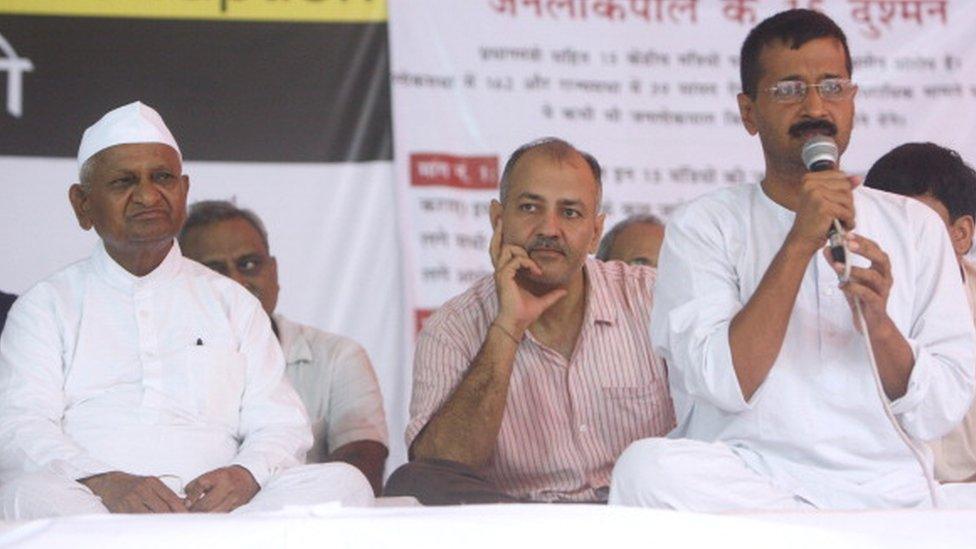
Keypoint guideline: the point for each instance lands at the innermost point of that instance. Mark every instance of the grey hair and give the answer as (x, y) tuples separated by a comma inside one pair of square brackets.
[(556, 149), (85, 173), (208, 212), (606, 244)]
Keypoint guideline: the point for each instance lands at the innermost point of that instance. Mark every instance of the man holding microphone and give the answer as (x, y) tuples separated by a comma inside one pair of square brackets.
[(770, 366)]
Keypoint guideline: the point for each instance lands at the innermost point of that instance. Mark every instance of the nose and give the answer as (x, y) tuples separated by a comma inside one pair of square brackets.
[(146, 192), (549, 224), (813, 104)]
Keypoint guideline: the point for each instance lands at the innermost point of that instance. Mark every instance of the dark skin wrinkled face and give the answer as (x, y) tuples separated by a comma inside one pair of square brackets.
[(235, 249), (135, 199)]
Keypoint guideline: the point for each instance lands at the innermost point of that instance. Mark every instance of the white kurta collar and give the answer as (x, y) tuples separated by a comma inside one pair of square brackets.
[(293, 342), (117, 276), (781, 213)]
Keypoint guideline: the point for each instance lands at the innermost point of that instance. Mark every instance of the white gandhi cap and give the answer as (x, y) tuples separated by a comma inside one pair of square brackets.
[(132, 123)]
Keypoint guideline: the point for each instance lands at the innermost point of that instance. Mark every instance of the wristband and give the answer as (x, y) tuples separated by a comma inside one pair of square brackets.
[(507, 333)]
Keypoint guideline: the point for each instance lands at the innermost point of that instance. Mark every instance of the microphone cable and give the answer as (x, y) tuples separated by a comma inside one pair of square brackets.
[(859, 313)]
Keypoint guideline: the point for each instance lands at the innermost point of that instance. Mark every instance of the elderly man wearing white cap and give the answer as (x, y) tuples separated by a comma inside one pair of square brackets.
[(139, 381)]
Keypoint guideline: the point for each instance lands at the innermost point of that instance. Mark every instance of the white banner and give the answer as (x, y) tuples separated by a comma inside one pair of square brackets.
[(648, 87)]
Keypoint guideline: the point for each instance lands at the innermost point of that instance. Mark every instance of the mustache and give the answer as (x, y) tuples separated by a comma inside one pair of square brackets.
[(798, 129), (549, 243)]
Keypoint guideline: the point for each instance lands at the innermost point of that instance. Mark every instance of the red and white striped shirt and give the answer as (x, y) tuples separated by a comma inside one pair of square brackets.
[(565, 423)]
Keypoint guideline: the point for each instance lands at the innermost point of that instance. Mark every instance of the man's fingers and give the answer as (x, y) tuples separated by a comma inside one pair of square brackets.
[(508, 251), (169, 497), (868, 296), (515, 263), (495, 248), (153, 502), (230, 502), (212, 498), (870, 250), (868, 277)]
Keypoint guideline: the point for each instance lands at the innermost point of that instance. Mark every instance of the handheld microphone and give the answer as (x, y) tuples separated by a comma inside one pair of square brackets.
[(819, 154)]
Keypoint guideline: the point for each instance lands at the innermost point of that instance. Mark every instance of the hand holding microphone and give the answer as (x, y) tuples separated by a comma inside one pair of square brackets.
[(826, 203), (820, 154)]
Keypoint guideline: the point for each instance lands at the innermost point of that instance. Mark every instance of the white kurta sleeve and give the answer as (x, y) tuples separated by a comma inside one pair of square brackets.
[(355, 402), (695, 299), (942, 339), (274, 428), (32, 397)]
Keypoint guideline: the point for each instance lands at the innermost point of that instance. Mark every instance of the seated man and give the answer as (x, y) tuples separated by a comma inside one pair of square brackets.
[(138, 381), (332, 374), (787, 396), (940, 179), (528, 385), (635, 241)]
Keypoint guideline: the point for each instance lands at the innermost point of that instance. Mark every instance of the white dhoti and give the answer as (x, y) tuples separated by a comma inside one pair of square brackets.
[(691, 475), (44, 495)]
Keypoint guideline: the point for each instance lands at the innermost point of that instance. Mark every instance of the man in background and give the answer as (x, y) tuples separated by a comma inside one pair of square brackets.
[(332, 374), (635, 241), (939, 178)]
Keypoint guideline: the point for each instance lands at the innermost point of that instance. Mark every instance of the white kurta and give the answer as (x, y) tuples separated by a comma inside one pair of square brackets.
[(172, 374), (815, 426), (955, 453), (336, 382)]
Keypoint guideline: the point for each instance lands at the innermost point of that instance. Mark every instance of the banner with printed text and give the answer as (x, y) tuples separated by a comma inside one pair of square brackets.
[(647, 86)]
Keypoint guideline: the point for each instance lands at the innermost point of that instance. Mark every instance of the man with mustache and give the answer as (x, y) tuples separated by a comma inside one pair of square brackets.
[(775, 391), (138, 381), (529, 384)]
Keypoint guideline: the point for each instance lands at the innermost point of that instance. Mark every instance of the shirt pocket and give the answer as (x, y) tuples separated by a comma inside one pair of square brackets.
[(216, 380), (634, 403)]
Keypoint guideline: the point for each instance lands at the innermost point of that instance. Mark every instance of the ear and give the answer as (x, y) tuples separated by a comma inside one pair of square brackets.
[(961, 234), (78, 197), (746, 112), (597, 232), (273, 265), (495, 211)]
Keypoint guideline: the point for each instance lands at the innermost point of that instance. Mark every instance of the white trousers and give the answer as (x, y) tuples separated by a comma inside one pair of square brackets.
[(691, 475), (42, 495)]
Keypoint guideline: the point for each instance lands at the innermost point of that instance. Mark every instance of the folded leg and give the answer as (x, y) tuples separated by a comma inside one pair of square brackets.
[(42, 495), (311, 485), (691, 475)]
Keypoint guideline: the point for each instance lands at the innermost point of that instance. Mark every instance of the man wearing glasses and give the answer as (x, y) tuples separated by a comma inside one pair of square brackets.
[(775, 394)]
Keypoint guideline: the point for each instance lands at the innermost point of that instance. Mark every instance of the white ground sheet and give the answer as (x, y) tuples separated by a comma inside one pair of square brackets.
[(502, 526)]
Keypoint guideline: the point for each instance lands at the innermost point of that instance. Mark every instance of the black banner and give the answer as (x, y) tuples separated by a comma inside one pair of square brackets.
[(234, 91)]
